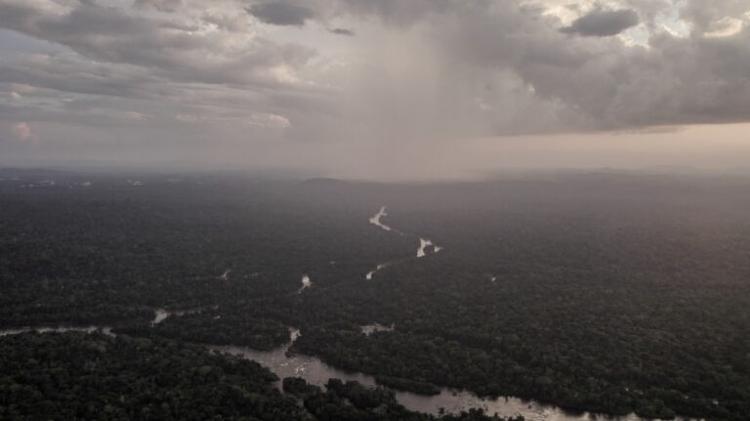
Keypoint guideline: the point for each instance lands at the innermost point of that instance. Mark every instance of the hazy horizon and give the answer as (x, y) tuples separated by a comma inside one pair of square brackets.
[(647, 153)]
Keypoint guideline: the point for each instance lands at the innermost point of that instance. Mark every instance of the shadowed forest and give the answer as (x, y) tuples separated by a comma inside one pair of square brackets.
[(611, 293)]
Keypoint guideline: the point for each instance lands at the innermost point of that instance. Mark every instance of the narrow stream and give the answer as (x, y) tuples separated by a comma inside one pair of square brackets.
[(375, 220), (161, 314), (425, 248), (372, 273), (60, 329)]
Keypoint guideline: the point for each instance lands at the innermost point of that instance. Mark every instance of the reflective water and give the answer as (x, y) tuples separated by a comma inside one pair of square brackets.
[(159, 316), (88, 329), (306, 283), (375, 220), (316, 372), (426, 246), (372, 273)]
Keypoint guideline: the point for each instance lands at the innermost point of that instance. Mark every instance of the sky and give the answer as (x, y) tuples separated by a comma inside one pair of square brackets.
[(377, 89)]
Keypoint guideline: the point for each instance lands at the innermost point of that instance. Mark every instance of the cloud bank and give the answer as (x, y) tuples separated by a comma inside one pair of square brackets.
[(266, 79)]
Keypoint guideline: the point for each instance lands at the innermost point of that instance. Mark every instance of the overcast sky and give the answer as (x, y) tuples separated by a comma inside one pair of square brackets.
[(377, 88)]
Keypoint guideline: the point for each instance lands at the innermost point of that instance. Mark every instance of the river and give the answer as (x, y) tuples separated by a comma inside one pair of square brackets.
[(425, 248), (315, 371), (375, 220), (306, 283), (60, 329)]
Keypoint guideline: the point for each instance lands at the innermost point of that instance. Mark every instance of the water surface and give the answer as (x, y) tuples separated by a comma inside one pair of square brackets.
[(316, 372)]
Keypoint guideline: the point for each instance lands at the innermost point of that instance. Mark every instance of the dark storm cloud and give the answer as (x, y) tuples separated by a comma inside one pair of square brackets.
[(281, 13), (603, 23), (589, 82), (342, 31), (419, 73), (171, 48)]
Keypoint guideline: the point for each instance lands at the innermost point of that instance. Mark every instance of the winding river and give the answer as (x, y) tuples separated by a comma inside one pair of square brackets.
[(375, 220), (314, 371), (286, 364), (317, 372), (425, 248)]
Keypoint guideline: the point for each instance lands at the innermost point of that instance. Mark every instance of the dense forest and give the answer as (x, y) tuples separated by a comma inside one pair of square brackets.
[(612, 293), (93, 376)]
